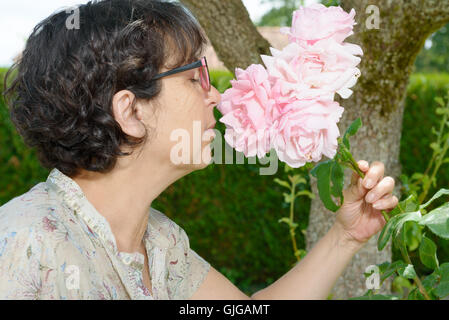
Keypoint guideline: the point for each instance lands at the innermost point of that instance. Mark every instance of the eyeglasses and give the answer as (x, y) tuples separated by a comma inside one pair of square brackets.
[(204, 72)]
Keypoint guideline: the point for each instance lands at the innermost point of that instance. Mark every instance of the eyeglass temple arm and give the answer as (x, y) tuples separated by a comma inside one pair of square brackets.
[(180, 69)]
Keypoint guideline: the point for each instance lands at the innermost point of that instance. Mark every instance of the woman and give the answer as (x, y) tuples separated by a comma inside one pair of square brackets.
[(100, 104)]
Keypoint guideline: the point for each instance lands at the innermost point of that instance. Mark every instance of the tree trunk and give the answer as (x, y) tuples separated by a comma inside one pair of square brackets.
[(230, 31), (378, 99)]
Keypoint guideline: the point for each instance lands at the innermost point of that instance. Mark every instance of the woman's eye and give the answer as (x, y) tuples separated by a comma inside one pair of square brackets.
[(195, 80)]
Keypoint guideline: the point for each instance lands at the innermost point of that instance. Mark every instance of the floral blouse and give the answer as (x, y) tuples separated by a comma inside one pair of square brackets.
[(55, 245)]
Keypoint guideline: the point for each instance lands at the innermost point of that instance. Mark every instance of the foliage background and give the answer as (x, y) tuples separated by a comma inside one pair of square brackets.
[(230, 212)]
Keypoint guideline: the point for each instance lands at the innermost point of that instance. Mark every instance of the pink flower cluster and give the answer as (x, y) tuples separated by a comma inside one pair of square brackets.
[(289, 105)]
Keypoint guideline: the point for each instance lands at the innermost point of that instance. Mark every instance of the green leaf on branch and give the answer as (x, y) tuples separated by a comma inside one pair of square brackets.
[(323, 172), (440, 101), (412, 236), (305, 193), (337, 177), (376, 297), (437, 221), (387, 269), (408, 205), (288, 197), (282, 183), (442, 289), (415, 294), (430, 282), (300, 253), (287, 221), (428, 253), (407, 271), (297, 179), (435, 196), (435, 147), (386, 232), (395, 224), (352, 130)]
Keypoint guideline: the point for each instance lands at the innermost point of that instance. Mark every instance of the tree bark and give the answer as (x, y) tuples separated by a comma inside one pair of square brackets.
[(230, 31), (378, 98)]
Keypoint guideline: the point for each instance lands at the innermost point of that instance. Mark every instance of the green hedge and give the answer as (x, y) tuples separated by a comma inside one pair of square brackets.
[(230, 212)]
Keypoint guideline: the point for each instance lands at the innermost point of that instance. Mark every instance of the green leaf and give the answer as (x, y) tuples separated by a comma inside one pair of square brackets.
[(376, 297), (297, 179), (440, 111), (399, 283), (417, 176), (390, 269), (288, 222), (300, 253), (408, 205), (305, 193), (407, 272), (395, 225), (434, 131), (287, 197), (428, 253), (430, 281), (435, 196), (386, 232), (282, 183), (440, 101), (442, 290), (408, 216), (413, 235), (437, 221), (415, 294), (352, 130), (337, 177), (322, 172)]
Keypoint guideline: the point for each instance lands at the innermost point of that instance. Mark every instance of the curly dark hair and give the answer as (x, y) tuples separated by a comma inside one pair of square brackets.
[(60, 97)]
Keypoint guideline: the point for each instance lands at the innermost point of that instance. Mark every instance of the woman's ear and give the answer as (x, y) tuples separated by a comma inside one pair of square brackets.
[(127, 115)]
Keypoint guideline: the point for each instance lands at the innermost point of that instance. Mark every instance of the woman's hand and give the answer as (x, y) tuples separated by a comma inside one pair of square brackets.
[(360, 216)]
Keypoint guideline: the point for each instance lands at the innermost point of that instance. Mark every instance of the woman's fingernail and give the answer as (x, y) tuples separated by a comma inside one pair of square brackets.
[(369, 183)]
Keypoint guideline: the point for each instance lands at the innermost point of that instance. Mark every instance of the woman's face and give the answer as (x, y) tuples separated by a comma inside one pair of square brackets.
[(184, 113)]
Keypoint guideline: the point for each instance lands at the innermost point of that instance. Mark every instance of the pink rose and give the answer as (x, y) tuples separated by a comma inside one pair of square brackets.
[(318, 70), (317, 22), (307, 132), (249, 110)]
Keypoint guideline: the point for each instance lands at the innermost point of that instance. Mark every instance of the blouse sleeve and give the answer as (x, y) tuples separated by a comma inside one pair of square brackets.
[(20, 265), (198, 268), (187, 270)]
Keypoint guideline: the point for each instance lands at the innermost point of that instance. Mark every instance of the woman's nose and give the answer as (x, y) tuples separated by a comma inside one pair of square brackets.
[(215, 96)]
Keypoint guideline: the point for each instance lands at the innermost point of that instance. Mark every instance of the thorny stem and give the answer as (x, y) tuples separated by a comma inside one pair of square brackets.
[(418, 282), (355, 167)]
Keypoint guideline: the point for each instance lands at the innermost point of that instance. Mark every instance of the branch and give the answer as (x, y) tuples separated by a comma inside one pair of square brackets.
[(435, 11), (230, 30)]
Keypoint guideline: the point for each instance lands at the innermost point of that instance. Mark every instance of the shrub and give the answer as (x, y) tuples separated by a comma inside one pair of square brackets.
[(230, 212)]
